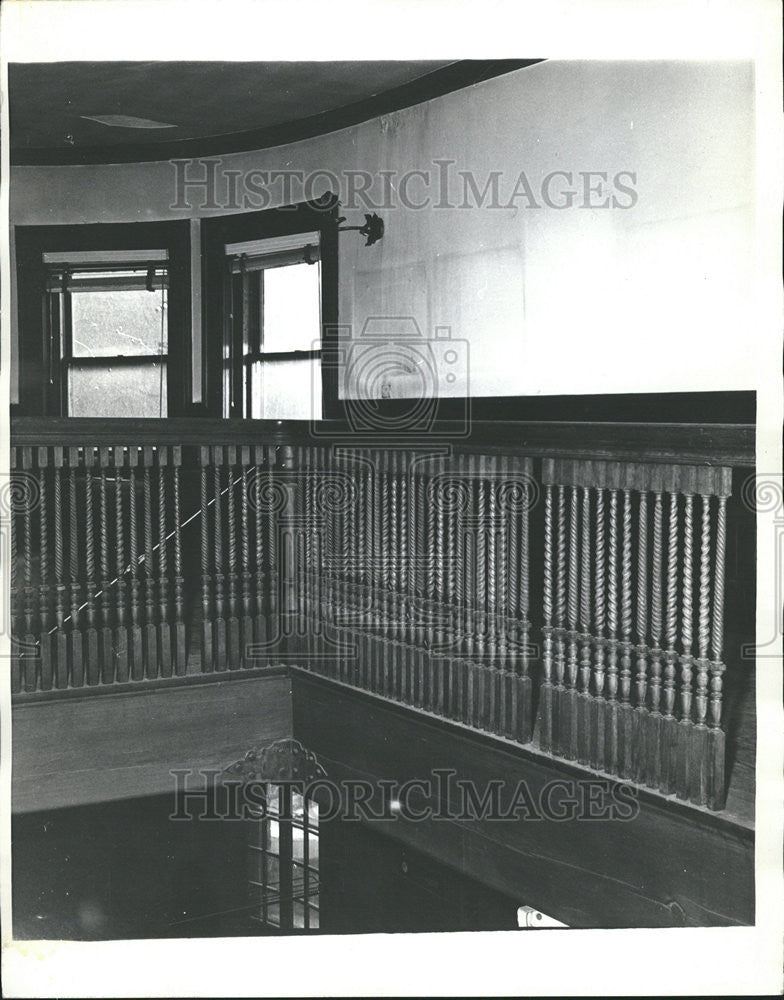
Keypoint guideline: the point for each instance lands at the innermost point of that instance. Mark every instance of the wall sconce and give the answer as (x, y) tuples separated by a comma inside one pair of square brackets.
[(373, 228)]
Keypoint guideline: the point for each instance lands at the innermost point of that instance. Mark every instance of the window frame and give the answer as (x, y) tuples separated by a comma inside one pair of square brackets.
[(246, 354), (60, 310), (219, 231), (39, 393)]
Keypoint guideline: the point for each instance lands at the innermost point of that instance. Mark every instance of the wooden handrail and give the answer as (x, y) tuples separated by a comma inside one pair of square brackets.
[(681, 444)]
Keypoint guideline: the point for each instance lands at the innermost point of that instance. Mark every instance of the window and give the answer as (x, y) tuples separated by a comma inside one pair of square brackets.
[(104, 319), (284, 861), (270, 311), (107, 317), (272, 352)]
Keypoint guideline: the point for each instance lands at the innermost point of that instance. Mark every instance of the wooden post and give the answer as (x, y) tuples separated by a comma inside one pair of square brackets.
[(559, 632), (670, 723), (45, 641), (684, 748), (716, 742), (180, 648), (219, 623), (234, 649), (29, 643), (92, 653), (569, 747), (150, 633), (246, 621), (584, 698), (656, 720), (207, 644), (611, 707), (136, 635), (60, 637), (107, 654), (640, 723), (546, 692), (598, 706), (625, 679), (75, 634), (121, 637), (164, 611)]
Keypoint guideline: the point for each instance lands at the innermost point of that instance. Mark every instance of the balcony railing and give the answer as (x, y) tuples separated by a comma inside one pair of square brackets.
[(540, 583)]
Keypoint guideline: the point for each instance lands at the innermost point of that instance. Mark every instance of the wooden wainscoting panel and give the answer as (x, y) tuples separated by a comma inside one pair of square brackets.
[(98, 748), (669, 865)]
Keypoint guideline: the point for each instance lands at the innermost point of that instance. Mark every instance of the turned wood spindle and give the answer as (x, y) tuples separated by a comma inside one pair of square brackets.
[(16, 649), (61, 639), (92, 655), (121, 638), (106, 641), (77, 646), (641, 679), (150, 633), (625, 677), (716, 739), (546, 730), (583, 705), (164, 622), (43, 590), (669, 733), (569, 733), (180, 650), (246, 628), (29, 646), (219, 624), (136, 644), (207, 653), (598, 709)]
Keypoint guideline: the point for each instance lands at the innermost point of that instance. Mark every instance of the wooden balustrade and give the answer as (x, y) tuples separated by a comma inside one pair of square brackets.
[(656, 721), (406, 594), (420, 573)]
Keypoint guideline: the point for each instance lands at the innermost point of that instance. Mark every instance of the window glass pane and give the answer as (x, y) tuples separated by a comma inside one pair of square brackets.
[(291, 308), (134, 390), (297, 843), (272, 871), (128, 322), (286, 390)]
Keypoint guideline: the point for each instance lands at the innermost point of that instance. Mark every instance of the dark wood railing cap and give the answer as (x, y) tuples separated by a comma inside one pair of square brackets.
[(679, 444)]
